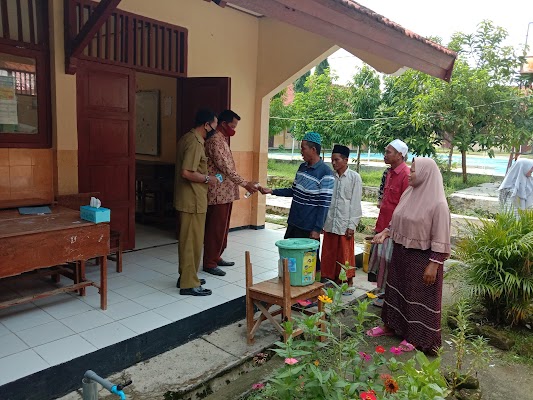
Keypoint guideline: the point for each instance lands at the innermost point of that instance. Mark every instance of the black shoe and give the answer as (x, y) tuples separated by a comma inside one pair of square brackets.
[(196, 291), (215, 271), (222, 263), (202, 282)]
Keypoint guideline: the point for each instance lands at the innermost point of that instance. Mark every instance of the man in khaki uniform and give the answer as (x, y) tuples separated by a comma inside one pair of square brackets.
[(190, 200)]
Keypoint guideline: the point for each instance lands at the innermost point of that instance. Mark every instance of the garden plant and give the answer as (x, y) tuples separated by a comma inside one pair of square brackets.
[(336, 369)]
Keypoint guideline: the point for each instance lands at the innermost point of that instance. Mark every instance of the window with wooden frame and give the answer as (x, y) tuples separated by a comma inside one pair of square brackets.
[(24, 74)]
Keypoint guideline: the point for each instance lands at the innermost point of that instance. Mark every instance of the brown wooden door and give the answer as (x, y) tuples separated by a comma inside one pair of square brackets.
[(106, 146), (197, 93)]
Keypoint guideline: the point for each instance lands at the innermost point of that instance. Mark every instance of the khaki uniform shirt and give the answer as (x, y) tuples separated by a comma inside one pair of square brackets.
[(345, 209), (190, 196), (220, 161)]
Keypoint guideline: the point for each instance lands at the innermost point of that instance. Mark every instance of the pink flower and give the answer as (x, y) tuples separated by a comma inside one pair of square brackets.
[(396, 350), (365, 356), (291, 361), (257, 386)]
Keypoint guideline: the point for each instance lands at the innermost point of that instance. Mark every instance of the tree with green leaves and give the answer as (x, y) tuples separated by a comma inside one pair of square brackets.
[(485, 49), (457, 109), (470, 110), (394, 116), (279, 114), (299, 84), (516, 128), (363, 95), (322, 68), (320, 109)]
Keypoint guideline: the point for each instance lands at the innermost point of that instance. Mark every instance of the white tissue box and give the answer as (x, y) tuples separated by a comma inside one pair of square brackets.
[(94, 214)]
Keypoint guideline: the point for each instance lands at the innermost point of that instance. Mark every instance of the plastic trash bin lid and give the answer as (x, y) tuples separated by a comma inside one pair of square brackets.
[(298, 244)]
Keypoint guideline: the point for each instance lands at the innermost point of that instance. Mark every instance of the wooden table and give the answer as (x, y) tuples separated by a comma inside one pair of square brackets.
[(31, 242)]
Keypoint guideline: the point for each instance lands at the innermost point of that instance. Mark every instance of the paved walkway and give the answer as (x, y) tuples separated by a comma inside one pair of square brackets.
[(369, 209), (282, 205), (489, 190)]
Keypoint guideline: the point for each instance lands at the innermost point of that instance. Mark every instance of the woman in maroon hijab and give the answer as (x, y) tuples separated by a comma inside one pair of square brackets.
[(420, 230)]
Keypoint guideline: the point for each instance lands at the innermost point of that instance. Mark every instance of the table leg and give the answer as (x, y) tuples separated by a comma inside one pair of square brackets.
[(81, 274), (103, 282), (77, 274)]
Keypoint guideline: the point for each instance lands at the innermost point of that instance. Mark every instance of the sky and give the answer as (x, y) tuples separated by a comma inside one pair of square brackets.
[(443, 19)]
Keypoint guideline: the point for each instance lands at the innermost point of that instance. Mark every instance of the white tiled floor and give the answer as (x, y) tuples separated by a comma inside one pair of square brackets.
[(144, 297)]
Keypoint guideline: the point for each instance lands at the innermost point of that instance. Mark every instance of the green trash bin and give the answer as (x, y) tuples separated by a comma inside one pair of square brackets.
[(301, 255)]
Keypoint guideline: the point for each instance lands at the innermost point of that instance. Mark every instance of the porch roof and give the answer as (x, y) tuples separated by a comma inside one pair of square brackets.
[(373, 38)]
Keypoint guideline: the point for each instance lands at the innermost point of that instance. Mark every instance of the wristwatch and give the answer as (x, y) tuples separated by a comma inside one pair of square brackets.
[(206, 179)]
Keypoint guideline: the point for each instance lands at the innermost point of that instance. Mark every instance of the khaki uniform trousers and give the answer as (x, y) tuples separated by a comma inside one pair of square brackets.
[(191, 240)]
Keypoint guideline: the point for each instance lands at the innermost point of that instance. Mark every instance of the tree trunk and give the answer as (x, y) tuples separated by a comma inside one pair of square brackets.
[(510, 160), (358, 163), (463, 165), (450, 154)]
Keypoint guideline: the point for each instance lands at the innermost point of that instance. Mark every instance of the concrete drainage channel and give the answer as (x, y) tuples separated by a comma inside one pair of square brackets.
[(232, 383)]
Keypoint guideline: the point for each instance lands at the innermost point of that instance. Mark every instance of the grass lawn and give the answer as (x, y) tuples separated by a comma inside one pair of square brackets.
[(452, 182)]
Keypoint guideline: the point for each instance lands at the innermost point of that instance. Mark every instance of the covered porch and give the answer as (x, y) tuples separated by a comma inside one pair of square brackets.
[(46, 345)]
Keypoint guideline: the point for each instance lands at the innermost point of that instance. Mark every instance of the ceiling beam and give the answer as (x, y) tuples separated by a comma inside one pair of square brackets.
[(100, 14), (220, 3)]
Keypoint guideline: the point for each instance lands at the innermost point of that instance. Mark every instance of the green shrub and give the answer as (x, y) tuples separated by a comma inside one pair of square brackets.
[(497, 257)]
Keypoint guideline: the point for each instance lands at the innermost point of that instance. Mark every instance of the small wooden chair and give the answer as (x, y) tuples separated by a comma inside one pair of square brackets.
[(277, 292)]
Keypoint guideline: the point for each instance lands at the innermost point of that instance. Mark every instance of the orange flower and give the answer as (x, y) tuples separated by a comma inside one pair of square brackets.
[(391, 386), (316, 362)]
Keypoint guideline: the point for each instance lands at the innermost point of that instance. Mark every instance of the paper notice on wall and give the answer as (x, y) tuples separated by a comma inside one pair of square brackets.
[(8, 101)]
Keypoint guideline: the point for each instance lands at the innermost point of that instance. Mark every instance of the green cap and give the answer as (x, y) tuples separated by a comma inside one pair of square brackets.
[(313, 137)]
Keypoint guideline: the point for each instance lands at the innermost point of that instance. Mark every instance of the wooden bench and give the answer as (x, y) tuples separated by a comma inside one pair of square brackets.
[(31, 243)]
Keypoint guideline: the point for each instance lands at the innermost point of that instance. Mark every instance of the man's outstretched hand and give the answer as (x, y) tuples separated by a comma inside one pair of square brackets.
[(252, 187), (265, 190)]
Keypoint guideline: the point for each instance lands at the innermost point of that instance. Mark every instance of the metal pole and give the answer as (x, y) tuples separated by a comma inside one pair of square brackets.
[(292, 153), (527, 33), (90, 389)]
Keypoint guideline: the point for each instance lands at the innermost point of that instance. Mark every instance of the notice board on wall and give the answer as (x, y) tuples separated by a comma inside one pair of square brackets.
[(147, 127)]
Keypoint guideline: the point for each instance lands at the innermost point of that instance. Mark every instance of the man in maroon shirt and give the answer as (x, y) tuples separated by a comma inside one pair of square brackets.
[(396, 181)]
